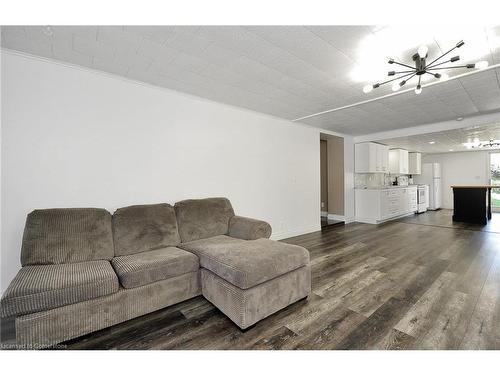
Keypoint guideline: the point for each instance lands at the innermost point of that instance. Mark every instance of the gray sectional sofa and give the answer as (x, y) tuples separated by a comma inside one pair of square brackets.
[(84, 269)]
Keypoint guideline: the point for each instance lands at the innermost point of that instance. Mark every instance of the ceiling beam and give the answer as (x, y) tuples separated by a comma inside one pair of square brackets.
[(437, 82)]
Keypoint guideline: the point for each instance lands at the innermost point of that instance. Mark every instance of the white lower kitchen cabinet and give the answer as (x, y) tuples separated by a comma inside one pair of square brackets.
[(381, 204)]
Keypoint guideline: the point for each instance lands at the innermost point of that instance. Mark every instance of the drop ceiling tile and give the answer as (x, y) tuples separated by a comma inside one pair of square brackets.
[(92, 48), (27, 45), (13, 31), (158, 34), (117, 38), (188, 42), (223, 75), (63, 51), (87, 32), (183, 61), (344, 38), (132, 59), (109, 66), (155, 50), (307, 46), (215, 54)]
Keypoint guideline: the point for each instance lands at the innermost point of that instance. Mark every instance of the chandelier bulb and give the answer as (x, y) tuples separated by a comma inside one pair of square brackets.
[(422, 51), (367, 89), (396, 86), (482, 64), (418, 90)]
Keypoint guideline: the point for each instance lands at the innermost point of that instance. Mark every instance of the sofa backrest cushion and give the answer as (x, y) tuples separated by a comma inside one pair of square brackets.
[(203, 218), (142, 228), (67, 235)]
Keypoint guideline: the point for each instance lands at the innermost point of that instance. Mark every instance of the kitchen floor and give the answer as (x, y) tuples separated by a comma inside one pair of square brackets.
[(443, 218)]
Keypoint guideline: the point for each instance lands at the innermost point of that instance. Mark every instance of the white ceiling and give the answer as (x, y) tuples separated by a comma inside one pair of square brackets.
[(286, 71), (446, 141)]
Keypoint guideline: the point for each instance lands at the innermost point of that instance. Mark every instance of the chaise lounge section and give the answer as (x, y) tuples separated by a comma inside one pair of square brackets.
[(246, 275), (84, 269)]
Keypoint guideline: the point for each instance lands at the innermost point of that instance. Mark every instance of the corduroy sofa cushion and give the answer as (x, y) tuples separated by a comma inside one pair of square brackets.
[(247, 263), (67, 235), (146, 268), (203, 218), (145, 227), (44, 287)]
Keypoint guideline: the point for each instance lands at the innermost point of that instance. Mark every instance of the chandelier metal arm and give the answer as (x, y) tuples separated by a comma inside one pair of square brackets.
[(453, 67), (407, 66), (390, 80), (458, 45), (438, 64), (432, 74), (414, 74)]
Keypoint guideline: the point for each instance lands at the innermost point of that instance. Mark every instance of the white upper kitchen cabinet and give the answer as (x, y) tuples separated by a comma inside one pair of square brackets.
[(398, 161), (415, 163), (383, 158), (371, 157)]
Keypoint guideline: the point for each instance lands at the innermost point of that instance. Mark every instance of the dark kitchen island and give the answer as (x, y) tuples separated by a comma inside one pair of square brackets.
[(472, 204)]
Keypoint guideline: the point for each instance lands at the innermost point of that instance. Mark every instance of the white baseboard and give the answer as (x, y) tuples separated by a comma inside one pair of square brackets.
[(336, 217), (374, 221), (350, 219), (295, 232), (366, 220)]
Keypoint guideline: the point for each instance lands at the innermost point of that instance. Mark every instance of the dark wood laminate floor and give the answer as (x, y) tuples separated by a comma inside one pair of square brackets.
[(443, 218), (398, 285)]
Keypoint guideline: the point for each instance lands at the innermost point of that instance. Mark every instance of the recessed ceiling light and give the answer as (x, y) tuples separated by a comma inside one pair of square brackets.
[(450, 149), (460, 118), (431, 142)]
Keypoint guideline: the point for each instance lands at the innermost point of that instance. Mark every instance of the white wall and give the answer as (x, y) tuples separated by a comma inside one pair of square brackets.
[(77, 138), (460, 168)]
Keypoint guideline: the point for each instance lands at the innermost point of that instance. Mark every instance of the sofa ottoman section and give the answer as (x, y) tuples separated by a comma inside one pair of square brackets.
[(245, 307), (249, 280), (247, 263)]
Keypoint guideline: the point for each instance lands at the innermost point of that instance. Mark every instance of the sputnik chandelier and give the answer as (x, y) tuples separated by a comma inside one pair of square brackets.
[(492, 143), (422, 67)]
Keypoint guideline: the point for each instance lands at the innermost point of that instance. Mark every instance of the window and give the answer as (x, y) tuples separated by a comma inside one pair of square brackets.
[(495, 179)]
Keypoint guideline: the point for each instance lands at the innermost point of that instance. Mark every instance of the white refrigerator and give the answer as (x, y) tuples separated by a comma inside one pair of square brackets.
[(431, 175)]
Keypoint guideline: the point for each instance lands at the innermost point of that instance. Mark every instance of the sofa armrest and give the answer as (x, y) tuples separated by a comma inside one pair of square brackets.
[(248, 229)]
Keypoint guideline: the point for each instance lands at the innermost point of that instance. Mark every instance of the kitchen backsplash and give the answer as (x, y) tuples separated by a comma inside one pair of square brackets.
[(362, 180), (370, 179)]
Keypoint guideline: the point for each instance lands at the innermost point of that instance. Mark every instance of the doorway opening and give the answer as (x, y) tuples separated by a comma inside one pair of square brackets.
[(332, 180)]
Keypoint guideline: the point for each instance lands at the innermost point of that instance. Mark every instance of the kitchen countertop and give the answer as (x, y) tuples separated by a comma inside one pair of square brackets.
[(385, 187)]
